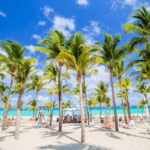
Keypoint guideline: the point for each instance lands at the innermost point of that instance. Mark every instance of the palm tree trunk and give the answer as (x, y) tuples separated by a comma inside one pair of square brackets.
[(105, 110), (128, 105), (36, 98), (60, 99), (53, 101), (18, 117), (100, 112), (147, 105), (85, 96), (33, 114), (124, 112), (114, 102), (82, 112), (7, 104)]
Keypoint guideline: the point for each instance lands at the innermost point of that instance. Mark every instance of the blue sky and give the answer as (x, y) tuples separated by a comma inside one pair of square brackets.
[(27, 21)]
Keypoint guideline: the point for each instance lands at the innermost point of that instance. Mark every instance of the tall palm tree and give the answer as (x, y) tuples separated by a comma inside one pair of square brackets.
[(23, 72), (52, 45), (140, 26), (126, 83), (144, 89), (37, 83), (87, 71), (110, 54), (51, 72), (14, 53), (119, 71), (78, 57)]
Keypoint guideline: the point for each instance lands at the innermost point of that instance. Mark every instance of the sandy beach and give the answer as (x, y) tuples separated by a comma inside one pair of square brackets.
[(32, 137)]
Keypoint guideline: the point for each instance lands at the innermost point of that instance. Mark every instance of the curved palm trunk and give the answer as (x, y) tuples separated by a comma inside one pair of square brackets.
[(114, 102), (60, 99), (18, 117), (85, 97), (53, 100), (82, 112), (124, 111), (128, 105), (7, 104)]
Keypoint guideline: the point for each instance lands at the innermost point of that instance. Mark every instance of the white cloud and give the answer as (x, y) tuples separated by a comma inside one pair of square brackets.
[(65, 25), (102, 75), (130, 2), (115, 4), (36, 37), (42, 23), (2, 14), (82, 2), (91, 31), (47, 10), (31, 48)]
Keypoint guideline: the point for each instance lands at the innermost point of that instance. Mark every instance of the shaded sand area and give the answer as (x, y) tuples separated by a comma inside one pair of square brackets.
[(97, 138)]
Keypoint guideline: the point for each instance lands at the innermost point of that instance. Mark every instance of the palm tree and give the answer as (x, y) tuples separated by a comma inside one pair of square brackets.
[(14, 53), (142, 72), (49, 106), (52, 45), (100, 99), (141, 26), (51, 72), (66, 104), (87, 71), (36, 84), (90, 104), (78, 57), (3, 89), (110, 54), (107, 103), (32, 106), (23, 72), (119, 71), (101, 92), (126, 83), (141, 104), (144, 89)]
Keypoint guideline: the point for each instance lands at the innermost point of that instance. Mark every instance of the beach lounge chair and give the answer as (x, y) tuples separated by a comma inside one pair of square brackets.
[(8, 122), (132, 123)]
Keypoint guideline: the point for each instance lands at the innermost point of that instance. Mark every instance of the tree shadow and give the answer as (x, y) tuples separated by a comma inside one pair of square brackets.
[(77, 146), (112, 135), (128, 134), (59, 134)]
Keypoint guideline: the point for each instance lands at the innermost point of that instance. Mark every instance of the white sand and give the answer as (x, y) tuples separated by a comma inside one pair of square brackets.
[(97, 138)]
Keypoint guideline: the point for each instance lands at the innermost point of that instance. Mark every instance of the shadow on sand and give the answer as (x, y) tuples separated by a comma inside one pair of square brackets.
[(77, 146)]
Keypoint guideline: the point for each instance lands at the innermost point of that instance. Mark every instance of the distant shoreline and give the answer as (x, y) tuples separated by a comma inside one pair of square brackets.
[(95, 111)]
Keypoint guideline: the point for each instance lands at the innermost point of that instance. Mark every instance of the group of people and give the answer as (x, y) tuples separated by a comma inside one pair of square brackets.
[(107, 121)]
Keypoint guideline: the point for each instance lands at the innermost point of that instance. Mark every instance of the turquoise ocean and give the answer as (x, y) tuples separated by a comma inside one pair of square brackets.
[(95, 111)]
